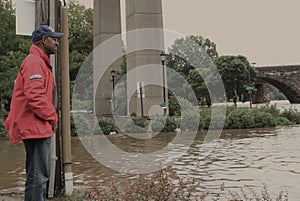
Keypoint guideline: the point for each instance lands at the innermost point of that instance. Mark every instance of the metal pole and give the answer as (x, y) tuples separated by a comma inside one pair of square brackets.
[(250, 92), (65, 107), (113, 90), (164, 90), (114, 101), (141, 95)]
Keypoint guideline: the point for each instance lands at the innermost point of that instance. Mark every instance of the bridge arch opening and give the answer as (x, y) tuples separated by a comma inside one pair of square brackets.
[(285, 89)]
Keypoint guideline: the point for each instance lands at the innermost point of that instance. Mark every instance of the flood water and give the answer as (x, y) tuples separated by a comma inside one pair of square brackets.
[(241, 158)]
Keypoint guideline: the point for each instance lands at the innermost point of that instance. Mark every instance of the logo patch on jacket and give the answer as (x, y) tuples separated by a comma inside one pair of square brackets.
[(36, 76)]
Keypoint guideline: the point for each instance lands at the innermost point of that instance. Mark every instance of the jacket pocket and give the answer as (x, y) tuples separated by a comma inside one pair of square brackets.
[(38, 128)]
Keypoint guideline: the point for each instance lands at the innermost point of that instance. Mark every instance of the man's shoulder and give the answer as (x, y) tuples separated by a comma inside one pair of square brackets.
[(32, 59)]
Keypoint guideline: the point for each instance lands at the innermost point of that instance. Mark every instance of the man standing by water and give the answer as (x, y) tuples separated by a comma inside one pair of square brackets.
[(32, 117)]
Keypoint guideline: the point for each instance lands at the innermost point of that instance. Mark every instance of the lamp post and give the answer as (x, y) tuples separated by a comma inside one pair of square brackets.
[(163, 59), (113, 72)]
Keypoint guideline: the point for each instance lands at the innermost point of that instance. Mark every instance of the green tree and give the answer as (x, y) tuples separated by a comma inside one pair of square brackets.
[(189, 51), (80, 35), (191, 56), (13, 49), (235, 72), (198, 84), (80, 47)]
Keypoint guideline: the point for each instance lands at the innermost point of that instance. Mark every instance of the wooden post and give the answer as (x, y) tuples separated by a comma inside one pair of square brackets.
[(65, 103), (46, 13), (42, 12)]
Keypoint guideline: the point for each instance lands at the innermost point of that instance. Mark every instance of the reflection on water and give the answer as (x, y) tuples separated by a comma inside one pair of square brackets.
[(12, 171), (241, 158)]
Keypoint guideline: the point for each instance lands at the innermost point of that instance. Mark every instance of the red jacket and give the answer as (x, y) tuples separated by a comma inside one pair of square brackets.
[(32, 113)]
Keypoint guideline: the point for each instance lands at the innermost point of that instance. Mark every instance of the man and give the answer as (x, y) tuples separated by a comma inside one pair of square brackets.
[(33, 118)]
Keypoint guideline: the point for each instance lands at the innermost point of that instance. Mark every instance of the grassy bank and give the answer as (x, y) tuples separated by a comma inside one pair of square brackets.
[(235, 118)]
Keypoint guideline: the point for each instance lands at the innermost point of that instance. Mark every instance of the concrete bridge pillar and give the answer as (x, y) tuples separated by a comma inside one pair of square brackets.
[(144, 14), (140, 14), (107, 24)]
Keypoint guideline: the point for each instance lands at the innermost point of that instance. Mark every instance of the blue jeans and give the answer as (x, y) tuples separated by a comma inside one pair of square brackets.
[(37, 168)]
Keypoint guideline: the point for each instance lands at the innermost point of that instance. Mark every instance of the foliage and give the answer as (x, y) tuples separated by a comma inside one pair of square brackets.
[(205, 118), (174, 107), (241, 118), (86, 124), (80, 35), (158, 186), (136, 125), (202, 80), (262, 119), (107, 126), (73, 127), (186, 57), (281, 121), (249, 194), (80, 47), (292, 115), (13, 50), (189, 115), (3, 132), (188, 51), (80, 124), (235, 72), (161, 186), (163, 124), (7, 31), (272, 109)]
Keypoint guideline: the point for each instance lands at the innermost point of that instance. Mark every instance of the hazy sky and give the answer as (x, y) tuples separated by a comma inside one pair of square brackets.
[(267, 32)]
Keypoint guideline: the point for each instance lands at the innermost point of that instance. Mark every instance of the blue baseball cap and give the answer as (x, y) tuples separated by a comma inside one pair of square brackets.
[(44, 31)]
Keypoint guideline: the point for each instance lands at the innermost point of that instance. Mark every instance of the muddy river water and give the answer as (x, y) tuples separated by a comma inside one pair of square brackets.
[(241, 158)]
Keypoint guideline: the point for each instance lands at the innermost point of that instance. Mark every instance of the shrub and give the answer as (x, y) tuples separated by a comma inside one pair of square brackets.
[(107, 125), (3, 132), (239, 118), (249, 118), (272, 109), (174, 106), (163, 124), (262, 119), (189, 122), (81, 125), (205, 116), (280, 121), (292, 115), (73, 127), (136, 125), (160, 186)]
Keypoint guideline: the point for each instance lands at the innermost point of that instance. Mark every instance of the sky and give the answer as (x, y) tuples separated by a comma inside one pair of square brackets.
[(267, 32)]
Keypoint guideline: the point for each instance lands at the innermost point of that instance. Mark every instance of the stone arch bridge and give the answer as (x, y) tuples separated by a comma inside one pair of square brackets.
[(286, 78)]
